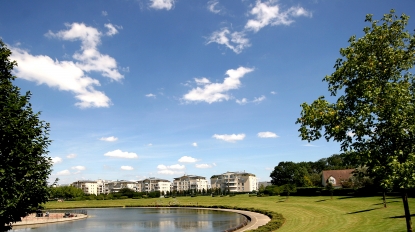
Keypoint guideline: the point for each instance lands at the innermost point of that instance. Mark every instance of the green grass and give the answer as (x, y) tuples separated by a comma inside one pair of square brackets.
[(301, 213)]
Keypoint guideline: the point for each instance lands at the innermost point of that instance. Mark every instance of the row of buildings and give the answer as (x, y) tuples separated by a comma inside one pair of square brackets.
[(229, 181)]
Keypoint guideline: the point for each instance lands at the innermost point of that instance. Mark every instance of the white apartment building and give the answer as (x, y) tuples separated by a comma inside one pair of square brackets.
[(153, 184), (115, 186), (190, 182), (87, 186), (235, 182)]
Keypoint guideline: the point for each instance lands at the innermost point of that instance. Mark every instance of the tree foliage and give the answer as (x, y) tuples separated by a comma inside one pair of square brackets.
[(374, 117), (23, 142)]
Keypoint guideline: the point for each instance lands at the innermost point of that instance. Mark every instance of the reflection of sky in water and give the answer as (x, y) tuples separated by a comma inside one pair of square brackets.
[(147, 219)]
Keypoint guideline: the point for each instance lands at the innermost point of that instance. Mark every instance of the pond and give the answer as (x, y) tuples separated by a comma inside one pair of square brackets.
[(147, 219)]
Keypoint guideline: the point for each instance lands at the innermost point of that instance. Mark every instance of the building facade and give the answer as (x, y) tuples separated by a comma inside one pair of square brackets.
[(234, 182), (190, 182), (153, 184)]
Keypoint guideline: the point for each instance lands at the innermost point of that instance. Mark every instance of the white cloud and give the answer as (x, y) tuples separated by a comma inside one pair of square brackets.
[(64, 173), (71, 156), (243, 101), (69, 75), (162, 4), (109, 139), (187, 159), (151, 95), (212, 6), (64, 75), (194, 144), (267, 134), (121, 154), (127, 168), (104, 13), (214, 164), (56, 160), (150, 144), (170, 170), (111, 29), (259, 99), (269, 13), (79, 168), (90, 58), (273, 92), (202, 81), (203, 166), (217, 92), (229, 138), (235, 41), (309, 145)]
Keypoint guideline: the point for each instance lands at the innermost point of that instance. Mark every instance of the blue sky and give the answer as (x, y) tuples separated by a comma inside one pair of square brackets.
[(162, 88)]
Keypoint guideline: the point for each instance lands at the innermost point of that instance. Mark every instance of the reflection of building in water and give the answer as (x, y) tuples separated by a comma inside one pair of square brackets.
[(156, 224), (234, 182), (190, 182)]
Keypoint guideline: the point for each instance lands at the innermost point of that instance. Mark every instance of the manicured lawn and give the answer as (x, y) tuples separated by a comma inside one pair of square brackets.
[(301, 213)]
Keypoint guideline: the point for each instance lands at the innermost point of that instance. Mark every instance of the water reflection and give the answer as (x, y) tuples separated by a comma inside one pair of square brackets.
[(148, 219)]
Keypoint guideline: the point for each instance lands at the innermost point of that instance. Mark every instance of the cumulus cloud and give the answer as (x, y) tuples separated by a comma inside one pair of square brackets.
[(162, 4), (127, 168), (229, 138), (69, 75), (212, 6), (109, 139), (217, 92), (79, 168), (259, 99), (203, 166), (187, 159), (170, 170), (270, 13), (243, 101), (273, 92), (90, 59), (194, 144), (104, 13), (71, 156), (65, 172), (151, 95), (236, 41), (56, 160), (263, 14), (121, 154), (111, 29), (267, 134), (309, 145)]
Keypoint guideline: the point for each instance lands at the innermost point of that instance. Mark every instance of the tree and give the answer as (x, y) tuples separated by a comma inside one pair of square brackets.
[(24, 139), (373, 119), (288, 173)]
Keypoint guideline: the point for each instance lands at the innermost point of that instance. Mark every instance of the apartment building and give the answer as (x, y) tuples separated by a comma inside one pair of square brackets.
[(153, 184), (87, 186), (234, 182), (190, 182), (115, 186)]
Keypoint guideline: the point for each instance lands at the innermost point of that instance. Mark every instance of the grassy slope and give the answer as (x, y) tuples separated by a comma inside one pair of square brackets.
[(301, 213)]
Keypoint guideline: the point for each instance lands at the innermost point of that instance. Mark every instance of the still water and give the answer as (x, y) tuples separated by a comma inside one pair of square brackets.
[(147, 219)]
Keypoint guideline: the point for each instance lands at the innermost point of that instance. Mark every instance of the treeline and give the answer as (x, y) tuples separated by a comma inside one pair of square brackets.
[(71, 193), (307, 174)]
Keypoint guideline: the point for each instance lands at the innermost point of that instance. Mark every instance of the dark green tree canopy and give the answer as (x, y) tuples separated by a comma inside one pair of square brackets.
[(23, 143), (374, 116)]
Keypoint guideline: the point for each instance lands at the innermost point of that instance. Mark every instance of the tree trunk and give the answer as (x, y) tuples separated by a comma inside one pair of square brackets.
[(384, 199), (407, 213)]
